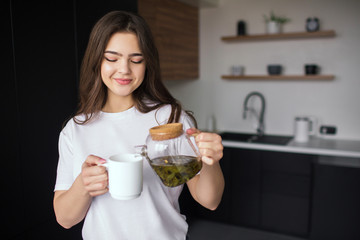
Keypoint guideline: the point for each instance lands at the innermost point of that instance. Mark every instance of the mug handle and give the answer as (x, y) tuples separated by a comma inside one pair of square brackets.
[(106, 165)]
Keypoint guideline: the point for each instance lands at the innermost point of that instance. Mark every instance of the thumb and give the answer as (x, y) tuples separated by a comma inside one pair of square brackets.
[(193, 132), (93, 160)]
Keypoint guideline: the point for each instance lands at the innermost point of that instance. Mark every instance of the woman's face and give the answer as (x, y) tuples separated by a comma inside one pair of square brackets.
[(123, 67)]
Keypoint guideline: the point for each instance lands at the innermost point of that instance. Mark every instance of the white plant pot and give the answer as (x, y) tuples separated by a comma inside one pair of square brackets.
[(273, 27)]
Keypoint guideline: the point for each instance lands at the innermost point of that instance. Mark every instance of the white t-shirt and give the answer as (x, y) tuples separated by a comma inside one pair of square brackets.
[(155, 214)]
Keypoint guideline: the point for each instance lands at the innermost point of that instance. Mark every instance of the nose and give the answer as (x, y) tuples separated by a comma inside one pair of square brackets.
[(124, 67)]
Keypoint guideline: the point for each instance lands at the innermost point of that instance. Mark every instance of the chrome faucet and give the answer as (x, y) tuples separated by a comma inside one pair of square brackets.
[(261, 128)]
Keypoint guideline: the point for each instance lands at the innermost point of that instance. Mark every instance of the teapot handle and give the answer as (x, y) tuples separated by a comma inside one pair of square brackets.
[(191, 143)]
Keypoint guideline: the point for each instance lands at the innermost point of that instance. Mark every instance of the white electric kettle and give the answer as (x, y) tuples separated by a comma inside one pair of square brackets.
[(304, 127)]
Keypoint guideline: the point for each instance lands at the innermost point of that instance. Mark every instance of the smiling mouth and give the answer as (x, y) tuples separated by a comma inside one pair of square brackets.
[(123, 81)]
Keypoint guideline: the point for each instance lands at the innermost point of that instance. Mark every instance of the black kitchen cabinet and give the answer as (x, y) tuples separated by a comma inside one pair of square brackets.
[(309, 196), (336, 203), (41, 51), (265, 190), (270, 190), (286, 189), (245, 180), (193, 210), (241, 201)]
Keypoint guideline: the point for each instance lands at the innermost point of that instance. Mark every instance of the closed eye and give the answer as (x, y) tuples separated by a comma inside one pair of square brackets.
[(110, 60), (137, 61)]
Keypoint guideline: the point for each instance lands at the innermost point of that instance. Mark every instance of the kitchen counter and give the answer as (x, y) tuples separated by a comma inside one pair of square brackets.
[(316, 145)]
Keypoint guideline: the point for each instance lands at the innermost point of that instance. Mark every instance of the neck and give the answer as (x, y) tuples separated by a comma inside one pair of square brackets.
[(114, 105)]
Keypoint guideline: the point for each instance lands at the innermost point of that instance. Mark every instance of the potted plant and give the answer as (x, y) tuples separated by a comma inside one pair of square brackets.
[(274, 23)]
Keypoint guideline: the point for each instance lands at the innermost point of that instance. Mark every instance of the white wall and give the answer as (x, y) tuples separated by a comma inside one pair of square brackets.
[(333, 102)]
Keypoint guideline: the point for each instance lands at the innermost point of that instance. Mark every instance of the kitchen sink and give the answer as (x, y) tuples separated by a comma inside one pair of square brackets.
[(254, 138)]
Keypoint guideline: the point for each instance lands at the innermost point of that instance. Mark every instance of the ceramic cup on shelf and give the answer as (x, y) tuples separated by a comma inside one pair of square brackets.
[(237, 70), (311, 69), (274, 69), (273, 27)]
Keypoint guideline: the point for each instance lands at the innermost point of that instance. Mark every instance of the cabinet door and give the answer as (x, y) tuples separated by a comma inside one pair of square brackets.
[(286, 186), (241, 200), (291, 163), (222, 213), (336, 203), (245, 187)]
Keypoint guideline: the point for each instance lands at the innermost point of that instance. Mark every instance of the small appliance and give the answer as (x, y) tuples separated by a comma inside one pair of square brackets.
[(304, 127)]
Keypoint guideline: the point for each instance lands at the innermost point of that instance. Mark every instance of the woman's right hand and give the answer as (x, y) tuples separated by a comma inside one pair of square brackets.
[(94, 177)]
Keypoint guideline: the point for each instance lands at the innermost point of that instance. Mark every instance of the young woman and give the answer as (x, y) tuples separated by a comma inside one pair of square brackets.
[(121, 98)]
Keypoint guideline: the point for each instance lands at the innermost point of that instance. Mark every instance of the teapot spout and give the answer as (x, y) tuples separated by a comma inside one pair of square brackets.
[(141, 149)]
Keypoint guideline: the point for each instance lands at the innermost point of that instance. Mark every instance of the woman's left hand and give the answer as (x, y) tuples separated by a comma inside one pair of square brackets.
[(209, 144)]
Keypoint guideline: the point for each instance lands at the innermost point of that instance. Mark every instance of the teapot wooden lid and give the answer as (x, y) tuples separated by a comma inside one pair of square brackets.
[(166, 131)]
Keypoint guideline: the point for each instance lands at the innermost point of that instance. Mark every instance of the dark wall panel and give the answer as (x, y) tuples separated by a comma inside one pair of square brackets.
[(44, 49), (40, 93), (12, 210)]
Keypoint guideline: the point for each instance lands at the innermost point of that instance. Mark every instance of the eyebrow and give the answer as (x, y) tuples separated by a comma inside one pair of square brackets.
[(119, 54)]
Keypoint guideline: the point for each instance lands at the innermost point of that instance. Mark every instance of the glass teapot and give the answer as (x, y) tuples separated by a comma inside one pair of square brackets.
[(172, 154)]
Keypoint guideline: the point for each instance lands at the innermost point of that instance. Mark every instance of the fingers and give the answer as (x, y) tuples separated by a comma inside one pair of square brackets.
[(209, 144), (210, 155), (209, 137), (94, 177), (91, 168), (99, 192), (92, 160), (207, 160), (97, 180), (96, 189)]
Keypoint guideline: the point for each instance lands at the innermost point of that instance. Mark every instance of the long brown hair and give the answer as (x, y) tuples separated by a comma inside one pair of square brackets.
[(93, 92)]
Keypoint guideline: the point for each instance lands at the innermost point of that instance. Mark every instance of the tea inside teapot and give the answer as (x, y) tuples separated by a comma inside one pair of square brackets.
[(175, 170), (172, 154)]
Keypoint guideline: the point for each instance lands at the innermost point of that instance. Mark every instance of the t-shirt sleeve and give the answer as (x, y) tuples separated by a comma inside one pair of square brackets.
[(65, 177), (187, 121)]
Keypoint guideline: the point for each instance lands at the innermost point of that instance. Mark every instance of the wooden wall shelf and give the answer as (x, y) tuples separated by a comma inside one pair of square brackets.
[(291, 35), (279, 77)]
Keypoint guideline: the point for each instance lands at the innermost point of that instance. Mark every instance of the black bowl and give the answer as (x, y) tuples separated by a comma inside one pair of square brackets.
[(274, 69), (311, 69)]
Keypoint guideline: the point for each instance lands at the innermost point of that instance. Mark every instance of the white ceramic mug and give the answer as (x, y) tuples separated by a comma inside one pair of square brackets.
[(304, 127), (125, 176)]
